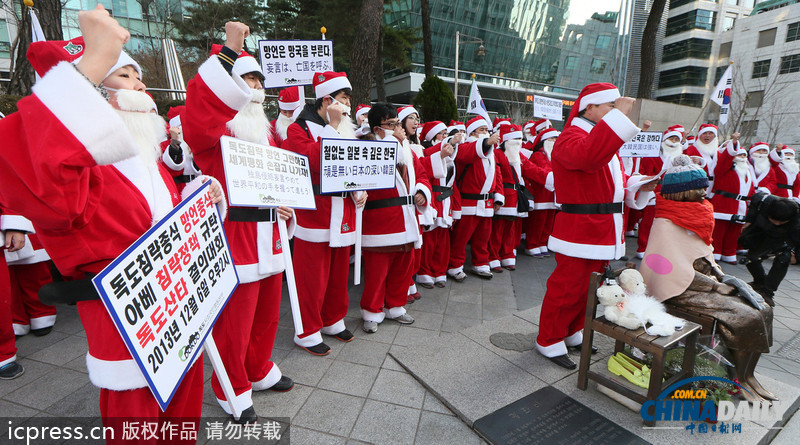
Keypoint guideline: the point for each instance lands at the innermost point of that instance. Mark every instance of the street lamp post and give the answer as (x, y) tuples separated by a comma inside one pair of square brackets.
[(480, 52)]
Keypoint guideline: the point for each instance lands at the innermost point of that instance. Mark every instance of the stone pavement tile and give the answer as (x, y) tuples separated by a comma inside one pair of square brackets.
[(349, 378), (14, 410), (425, 320), (279, 354), (386, 332), (434, 405), (510, 324), (303, 367), (30, 344), (281, 404), (445, 365), (531, 315), (284, 338), (357, 442), (790, 432), (464, 309), (364, 352), (435, 304), (409, 336), (765, 362), (493, 312), (62, 352), (452, 323), (781, 335), (524, 304), (784, 312), (386, 423), (33, 372), (785, 364), (461, 294), (779, 375), (67, 320), (397, 387), (504, 301), (783, 410), (77, 364), (52, 387), (303, 436), (329, 412), (492, 292), (787, 322), (435, 429), (391, 364), (81, 403)]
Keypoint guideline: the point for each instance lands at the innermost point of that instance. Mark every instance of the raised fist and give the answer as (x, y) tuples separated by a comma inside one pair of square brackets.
[(104, 39), (235, 33), (624, 104)]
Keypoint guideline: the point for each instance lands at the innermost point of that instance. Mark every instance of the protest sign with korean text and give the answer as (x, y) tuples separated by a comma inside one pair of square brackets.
[(547, 108), (352, 164), (646, 144), (263, 176), (286, 63), (165, 292)]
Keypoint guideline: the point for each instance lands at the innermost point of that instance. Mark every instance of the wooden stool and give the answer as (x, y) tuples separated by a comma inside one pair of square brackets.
[(655, 345)]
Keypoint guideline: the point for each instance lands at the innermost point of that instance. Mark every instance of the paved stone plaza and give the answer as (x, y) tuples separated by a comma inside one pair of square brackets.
[(360, 393)]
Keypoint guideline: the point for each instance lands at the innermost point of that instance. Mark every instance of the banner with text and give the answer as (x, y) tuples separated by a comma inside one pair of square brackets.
[(646, 144), (286, 63), (263, 176), (547, 108), (165, 292), (352, 164)]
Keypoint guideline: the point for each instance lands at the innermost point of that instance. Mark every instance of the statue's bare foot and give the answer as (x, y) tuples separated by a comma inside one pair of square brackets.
[(756, 385), (750, 394)]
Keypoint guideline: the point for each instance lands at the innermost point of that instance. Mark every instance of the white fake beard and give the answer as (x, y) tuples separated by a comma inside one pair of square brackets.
[(251, 123), (671, 149), (791, 166), (548, 147), (741, 166), (282, 125), (512, 151), (346, 128), (405, 156), (472, 138), (709, 149), (147, 128), (760, 165)]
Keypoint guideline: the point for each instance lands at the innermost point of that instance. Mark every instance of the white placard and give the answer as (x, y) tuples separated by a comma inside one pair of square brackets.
[(166, 291), (547, 108), (286, 63), (646, 144), (352, 164), (263, 176)]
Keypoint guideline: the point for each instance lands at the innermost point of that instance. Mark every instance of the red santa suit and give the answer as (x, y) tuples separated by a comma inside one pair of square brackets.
[(710, 157), (8, 303), (588, 231), (732, 190), (390, 235), (289, 99), (764, 179), (323, 236), (478, 190), (246, 328), (538, 174), (787, 184), (186, 170), (507, 222), (29, 270), (86, 215)]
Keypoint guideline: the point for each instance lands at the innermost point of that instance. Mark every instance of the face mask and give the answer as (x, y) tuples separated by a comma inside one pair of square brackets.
[(345, 108)]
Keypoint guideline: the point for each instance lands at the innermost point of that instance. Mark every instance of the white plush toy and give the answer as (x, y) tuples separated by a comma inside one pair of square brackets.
[(629, 306)]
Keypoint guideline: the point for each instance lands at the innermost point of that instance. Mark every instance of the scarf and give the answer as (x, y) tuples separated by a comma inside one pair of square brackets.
[(695, 216)]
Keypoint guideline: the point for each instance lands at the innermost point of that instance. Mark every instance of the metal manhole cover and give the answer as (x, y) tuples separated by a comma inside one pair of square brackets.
[(791, 349)]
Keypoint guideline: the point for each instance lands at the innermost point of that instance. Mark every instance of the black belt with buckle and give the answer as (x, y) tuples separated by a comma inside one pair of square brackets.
[(251, 214), (183, 179), (592, 209), (508, 185), (68, 292), (475, 196), (731, 195), (318, 192), (444, 192), (389, 202), (785, 186)]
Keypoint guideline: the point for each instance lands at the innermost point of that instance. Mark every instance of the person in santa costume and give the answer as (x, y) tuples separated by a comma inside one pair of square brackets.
[(786, 168), (541, 125), (507, 221), (13, 316), (289, 100), (733, 186), (391, 229), (96, 191), (480, 197), (588, 231), (690, 139), (763, 177), (456, 127), (361, 121), (530, 136), (499, 122), (178, 156), (29, 270), (706, 146), (323, 236), (538, 174), (246, 328)]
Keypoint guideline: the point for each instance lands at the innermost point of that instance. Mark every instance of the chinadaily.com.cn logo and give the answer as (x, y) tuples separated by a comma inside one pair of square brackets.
[(708, 407)]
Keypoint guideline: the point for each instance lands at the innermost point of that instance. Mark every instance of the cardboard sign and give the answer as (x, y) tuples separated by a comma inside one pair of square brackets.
[(165, 292), (646, 144), (547, 108), (263, 176), (351, 164), (286, 63)]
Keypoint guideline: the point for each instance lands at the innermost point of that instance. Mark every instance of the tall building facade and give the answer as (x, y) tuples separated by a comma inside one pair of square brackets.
[(633, 19), (588, 51)]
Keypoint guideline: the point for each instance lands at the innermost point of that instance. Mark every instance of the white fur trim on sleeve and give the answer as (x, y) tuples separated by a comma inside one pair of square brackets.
[(549, 182), (438, 165), (425, 191), (231, 90), (621, 125), (479, 148), (170, 163), (734, 148), (775, 156), (195, 184), (499, 199), (85, 113), (633, 197), (16, 222)]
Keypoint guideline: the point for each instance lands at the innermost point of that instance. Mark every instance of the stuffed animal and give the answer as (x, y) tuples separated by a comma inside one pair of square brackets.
[(615, 306)]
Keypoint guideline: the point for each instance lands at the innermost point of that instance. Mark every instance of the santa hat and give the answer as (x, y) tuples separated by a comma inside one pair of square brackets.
[(544, 135), (458, 125), (509, 132), (48, 53), (475, 123), (431, 129), (787, 150), (541, 124), (679, 128), (404, 112), (758, 146), (2, 115), (244, 64), (707, 127), (527, 127), (684, 175), (290, 98), (671, 132), (174, 115), (329, 82), (593, 94), (691, 139), (362, 109), (500, 121)]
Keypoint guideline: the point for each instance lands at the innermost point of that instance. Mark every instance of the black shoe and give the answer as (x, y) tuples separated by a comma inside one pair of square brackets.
[(283, 385), (564, 361), (41, 332), (248, 416), (318, 349), (624, 258), (344, 336), (11, 371), (578, 349)]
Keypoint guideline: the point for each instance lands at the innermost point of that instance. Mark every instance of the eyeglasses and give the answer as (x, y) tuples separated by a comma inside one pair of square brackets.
[(414, 118), (390, 125)]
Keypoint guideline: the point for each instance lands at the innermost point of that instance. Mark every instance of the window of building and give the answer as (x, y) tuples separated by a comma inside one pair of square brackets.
[(725, 50), (598, 66), (692, 100), (696, 19), (732, 2), (728, 21), (603, 42), (677, 3), (748, 4), (570, 62), (718, 73), (790, 64), (749, 128), (761, 68), (793, 32), (695, 48), (5, 42), (693, 76), (766, 37), (754, 99)]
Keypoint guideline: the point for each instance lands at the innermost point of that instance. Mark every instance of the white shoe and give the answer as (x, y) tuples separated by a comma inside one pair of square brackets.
[(403, 319), (370, 327)]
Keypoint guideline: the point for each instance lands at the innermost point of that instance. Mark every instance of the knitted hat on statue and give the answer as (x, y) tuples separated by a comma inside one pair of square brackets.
[(682, 176)]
